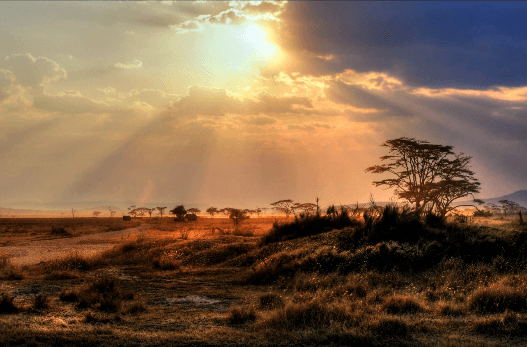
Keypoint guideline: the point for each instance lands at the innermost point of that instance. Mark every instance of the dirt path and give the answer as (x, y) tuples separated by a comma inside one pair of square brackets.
[(36, 251)]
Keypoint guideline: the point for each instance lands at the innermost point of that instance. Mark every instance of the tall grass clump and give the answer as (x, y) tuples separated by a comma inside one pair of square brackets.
[(498, 298), (310, 224)]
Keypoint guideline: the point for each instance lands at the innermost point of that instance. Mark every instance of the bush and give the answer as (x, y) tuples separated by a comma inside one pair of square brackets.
[(399, 304), (62, 275), (7, 305), (306, 225), (271, 301), (40, 302), (59, 231), (312, 314), (103, 293), (164, 263), (241, 315), (498, 298)]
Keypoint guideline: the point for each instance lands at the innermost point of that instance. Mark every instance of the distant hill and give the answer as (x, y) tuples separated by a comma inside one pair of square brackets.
[(519, 197)]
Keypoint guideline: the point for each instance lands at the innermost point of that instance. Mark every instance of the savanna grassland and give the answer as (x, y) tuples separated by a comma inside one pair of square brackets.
[(389, 277)]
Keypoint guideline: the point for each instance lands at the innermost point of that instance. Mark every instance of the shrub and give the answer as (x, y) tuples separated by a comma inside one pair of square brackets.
[(7, 305), (40, 302), (74, 261), (241, 315), (164, 263), (389, 327), (312, 314), (62, 275), (69, 296), (103, 293), (509, 324), (59, 231), (399, 304), (136, 307), (271, 301), (498, 298)]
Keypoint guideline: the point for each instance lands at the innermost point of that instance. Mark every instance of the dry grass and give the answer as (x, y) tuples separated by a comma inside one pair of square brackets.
[(214, 289), (15, 231)]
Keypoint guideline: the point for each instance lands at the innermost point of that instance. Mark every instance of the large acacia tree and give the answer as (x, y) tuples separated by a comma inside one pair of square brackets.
[(427, 175)]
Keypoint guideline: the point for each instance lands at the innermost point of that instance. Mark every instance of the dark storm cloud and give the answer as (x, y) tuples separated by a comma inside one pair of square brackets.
[(423, 43)]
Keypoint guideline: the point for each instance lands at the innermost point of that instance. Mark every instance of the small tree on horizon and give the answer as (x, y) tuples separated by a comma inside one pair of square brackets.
[(161, 210), (284, 206), (193, 210), (96, 213), (212, 211), (112, 213), (237, 216), (73, 212), (179, 211)]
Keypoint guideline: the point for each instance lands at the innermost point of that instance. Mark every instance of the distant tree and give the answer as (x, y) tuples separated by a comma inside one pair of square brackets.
[(193, 210), (150, 211), (284, 206), (112, 213), (179, 211), (308, 208), (132, 211), (73, 212), (226, 211), (237, 216), (161, 210), (141, 211), (212, 211), (96, 213), (509, 207), (426, 174), (258, 211)]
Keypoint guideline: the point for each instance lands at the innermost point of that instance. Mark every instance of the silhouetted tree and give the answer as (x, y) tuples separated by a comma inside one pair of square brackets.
[(509, 207), (212, 211), (150, 211), (237, 216), (193, 210), (161, 210), (426, 175), (112, 213), (179, 211), (284, 206), (258, 211), (132, 211), (96, 213), (73, 212)]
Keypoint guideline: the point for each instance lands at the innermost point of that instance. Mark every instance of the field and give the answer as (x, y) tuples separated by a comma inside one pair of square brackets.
[(393, 279)]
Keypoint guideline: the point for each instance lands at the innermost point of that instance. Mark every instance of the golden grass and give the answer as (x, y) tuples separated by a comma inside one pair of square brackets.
[(163, 290)]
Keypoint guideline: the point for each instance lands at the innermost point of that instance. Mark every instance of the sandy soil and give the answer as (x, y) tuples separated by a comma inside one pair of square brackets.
[(35, 252)]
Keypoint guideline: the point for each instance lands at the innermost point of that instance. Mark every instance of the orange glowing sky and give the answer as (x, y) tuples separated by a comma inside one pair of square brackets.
[(246, 103)]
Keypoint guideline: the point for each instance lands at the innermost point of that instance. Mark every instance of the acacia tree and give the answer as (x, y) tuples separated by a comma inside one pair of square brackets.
[(73, 212), (212, 211), (112, 213), (96, 213), (284, 206), (132, 210), (509, 207), (161, 210), (426, 174), (237, 216), (193, 210), (179, 211)]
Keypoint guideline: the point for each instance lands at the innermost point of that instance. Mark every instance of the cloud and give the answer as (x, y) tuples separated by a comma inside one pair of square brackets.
[(133, 65), (238, 14), (261, 120), (34, 72), (461, 45)]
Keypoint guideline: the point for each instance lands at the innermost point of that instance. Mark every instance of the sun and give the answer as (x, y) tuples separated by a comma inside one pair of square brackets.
[(254, 39)]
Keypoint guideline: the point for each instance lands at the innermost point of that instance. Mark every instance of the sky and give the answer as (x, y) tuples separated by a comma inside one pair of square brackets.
[(242, 104)]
